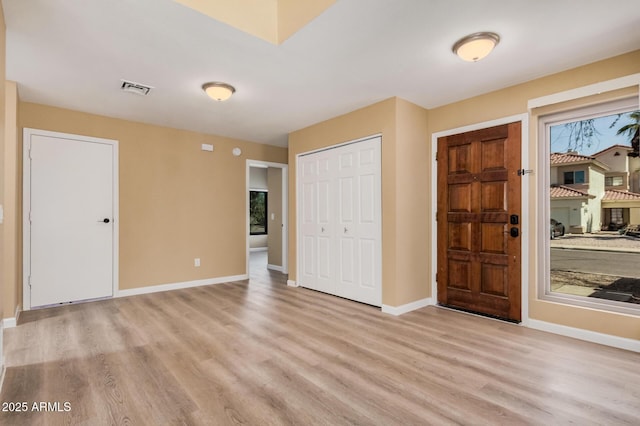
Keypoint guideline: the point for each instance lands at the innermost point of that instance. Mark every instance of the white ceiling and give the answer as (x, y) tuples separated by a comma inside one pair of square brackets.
[(73, 54)]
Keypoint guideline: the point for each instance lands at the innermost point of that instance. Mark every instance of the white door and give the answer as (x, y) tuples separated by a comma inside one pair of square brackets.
[(71, 201), (359, 242), (317, 242), (340, 221)]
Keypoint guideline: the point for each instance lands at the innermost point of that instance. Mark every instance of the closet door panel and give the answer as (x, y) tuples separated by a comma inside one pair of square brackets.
[(308, 176), (341, 232)]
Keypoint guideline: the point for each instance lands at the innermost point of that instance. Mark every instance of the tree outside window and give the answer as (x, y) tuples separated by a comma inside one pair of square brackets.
[(258, 212)]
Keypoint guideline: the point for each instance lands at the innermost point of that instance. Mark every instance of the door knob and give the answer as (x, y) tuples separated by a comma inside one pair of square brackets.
[(106, 220)]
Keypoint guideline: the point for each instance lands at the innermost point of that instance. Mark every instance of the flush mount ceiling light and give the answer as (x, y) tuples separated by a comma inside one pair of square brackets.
[(476, 46), (218, 91)]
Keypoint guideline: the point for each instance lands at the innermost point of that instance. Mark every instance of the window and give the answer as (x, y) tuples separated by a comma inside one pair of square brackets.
[(258, 212), (613, 181), (573, 177), (598, 277)]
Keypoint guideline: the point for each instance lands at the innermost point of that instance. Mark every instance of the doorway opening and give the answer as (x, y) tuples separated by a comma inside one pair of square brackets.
[(266, 217)]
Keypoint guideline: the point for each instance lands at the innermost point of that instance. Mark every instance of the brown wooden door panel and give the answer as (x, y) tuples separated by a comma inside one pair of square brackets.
[(478, 191)]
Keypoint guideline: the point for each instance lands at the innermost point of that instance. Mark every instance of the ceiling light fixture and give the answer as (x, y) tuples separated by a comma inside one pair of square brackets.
[(218, 91), (476, 46)]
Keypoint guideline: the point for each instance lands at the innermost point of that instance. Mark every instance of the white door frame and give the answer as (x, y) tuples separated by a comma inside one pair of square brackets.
[(26, 205), (525, 236), (285, 209)]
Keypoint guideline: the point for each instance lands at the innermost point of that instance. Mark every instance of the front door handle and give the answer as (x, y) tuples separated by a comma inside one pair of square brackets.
[(515, 232)]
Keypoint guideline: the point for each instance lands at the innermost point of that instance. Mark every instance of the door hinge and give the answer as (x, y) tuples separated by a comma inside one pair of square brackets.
[(436, 277), (30, 217), (436, 155), (522, 172), (29, 280)]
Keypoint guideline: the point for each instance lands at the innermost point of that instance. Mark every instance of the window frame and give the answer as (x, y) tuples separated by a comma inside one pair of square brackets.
[(545, 121), (573, 177), (611, 179)]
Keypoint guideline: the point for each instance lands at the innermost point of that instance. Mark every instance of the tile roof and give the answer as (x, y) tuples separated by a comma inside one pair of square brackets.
[(561, 191), (568, 157), (615, 195)]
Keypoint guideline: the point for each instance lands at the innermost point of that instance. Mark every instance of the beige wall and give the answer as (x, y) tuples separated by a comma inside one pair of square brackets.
[(274, 179), (176, 201), (12, 265), (295, 14), (413, 204)]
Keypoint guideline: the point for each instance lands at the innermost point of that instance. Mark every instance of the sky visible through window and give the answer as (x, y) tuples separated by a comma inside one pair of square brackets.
[(603, 139)]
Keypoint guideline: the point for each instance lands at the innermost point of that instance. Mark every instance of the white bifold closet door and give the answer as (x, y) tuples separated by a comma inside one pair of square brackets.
[(340, 221)]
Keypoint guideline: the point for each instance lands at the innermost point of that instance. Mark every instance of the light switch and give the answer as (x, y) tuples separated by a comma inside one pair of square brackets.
[(1, 214), (207, 147), (273, 216)]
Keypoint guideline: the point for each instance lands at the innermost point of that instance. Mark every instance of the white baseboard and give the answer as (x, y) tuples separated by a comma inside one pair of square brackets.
[(9, 322), (589, 336), (177, 286), (12, 322), (403, 309), (275, 267), (2, 373), (292, 283), (258, 249)]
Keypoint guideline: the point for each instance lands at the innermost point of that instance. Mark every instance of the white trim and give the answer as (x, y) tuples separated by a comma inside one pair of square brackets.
[(292, 283), (277, 268), (255, 249), (581, 92), (408, 307), (12, 322), (285, 208), (2, 373), (180, 285), (9, 322), (589, 336), (26, 206), (545, 123), (525, 238)]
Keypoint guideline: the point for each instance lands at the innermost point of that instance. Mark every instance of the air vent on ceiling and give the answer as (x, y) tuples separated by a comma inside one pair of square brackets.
[(137, 88)]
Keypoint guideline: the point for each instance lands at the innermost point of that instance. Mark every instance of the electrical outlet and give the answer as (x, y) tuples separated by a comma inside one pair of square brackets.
[(196, 262)]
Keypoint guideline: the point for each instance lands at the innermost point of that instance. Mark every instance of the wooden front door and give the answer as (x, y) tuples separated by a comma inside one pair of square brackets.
[(479, 221)]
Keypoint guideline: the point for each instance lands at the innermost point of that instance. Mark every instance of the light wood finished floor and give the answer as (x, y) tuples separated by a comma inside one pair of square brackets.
[(260, 353)]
